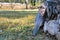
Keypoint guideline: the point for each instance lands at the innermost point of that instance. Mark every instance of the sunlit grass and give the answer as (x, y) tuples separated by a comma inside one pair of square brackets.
[(22, 21), (18, 26)]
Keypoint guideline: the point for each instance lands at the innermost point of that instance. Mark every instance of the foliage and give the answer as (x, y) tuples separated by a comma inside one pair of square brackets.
[(42, 1), (22, 1), (32, 2)]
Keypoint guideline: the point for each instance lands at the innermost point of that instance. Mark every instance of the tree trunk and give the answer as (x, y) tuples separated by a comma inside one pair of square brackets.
[(26, 4)]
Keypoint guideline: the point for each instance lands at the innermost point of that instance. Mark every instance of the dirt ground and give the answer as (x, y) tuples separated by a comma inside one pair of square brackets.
[(16, 6)]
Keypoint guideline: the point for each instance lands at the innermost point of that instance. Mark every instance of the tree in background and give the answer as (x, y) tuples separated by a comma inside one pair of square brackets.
[(1, 0), (6, 0), (22, 1), (26, 2), (11, 1)]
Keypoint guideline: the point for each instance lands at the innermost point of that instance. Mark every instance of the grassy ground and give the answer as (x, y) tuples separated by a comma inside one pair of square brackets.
[(18, 25)]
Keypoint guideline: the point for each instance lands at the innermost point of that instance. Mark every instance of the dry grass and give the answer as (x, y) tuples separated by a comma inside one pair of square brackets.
[(18, 25)]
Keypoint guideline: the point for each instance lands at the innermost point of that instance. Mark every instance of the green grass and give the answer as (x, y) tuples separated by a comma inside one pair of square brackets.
[(16, 14), (13, 29)]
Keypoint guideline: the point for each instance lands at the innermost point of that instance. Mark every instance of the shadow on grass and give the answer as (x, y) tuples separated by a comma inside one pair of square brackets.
[(16, 14), (25, 33)]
